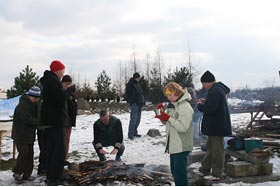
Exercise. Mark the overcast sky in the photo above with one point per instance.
(238, 40)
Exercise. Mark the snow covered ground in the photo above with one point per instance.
(146, 149)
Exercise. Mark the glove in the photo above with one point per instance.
(163, 116)
(159, 106)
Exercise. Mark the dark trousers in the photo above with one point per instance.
(24, 164)
(41, 134)
(102, 157)
(215, 156)
(55, 152)
(179, 164)
(135, 117)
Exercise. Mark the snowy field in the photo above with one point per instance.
(146, 149)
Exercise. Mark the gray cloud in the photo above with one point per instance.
(235, 42)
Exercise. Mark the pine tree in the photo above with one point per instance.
(182, 76)
(26, 79)
(104, 88)
(156, 94)
(103, 83)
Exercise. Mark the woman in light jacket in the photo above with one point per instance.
(178, 117)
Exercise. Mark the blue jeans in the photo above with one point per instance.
(135, 117)
(179, 164)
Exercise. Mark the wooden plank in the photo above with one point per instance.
(277, 136)
(258, 157)
(249, 179)
(197, 179)
(271, 143)
(243, 169)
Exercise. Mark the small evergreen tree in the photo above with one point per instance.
(156, 94)
(145, 87)
(103, 85)
(182, 76)
(26, 79)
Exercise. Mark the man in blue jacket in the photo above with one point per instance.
(215, 124)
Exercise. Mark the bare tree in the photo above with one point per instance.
(158, 64)
(134, 61)
(120, 80)
(148, 63)
(193, 70)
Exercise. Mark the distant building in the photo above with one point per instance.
(3, 94)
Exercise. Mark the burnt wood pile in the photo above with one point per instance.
(116, 173)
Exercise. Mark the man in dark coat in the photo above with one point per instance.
(136, 100)
(25, 122)
(72, 108)
(54, 119)
(107, 131)
(215, 124)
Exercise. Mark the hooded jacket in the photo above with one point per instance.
(216, 118)
(25, 121)
(179, 128)
(54, 106)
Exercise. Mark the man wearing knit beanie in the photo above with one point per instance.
(54, 120)
(58, 68)
(56, 65)
(136, 99)
(25, 121)
(215, 124)
(207, 77)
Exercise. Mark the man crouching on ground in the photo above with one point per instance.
(107, 131)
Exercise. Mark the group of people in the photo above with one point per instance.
(55, 116)
(178, 119)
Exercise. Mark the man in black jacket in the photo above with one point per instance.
(107, 131)
(72, 108)
(215, 124)
(54, 119)
(136, 100)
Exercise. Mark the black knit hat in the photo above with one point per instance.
(66, 78)
(207, 77)
(136, 75)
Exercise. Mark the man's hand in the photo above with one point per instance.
(101, 151)
(163, 116)
(201, 100)
(114, 151)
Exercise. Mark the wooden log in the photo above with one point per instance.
(157, 172)
(74, 166)
(277, 136)
(74, 173)
(242, 169)
(257, 157)
(271, 143)
(249, 179)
